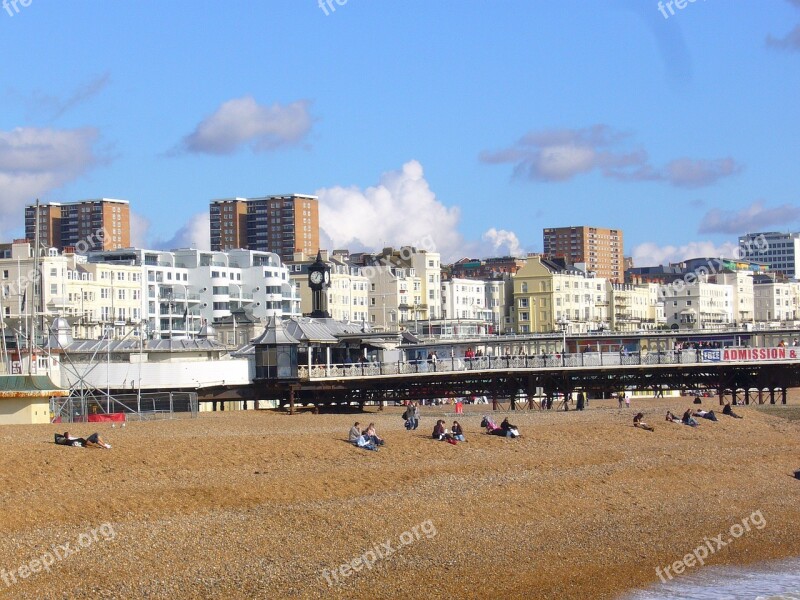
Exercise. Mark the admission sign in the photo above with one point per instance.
(758, 354)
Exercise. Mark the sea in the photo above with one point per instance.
(774, 580)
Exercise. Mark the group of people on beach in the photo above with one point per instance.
(689, 417)
(367, 439)
(505, 428)
(452, 436)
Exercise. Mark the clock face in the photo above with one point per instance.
(327, 277)
(316, 277)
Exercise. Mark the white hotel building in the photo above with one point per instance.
(182, 290)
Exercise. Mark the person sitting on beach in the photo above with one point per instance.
(366, 443)
(688, 419)
(355, 433)
(637, 422)
(440, 432)
(508, 429)
(697, 400)
(374, 437)
(727, 410)
(672, 418)
(491, 427)
(706, 414)
(458, 432)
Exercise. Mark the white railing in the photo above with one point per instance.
(542, 361)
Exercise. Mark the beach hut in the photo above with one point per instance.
(25, 399)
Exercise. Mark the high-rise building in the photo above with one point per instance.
(103, 224)
(780, 251)
(600, 250)
(282, 224)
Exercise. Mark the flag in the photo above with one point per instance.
(186, 312)
(24, 294)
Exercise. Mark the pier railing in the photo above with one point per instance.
(547, 361)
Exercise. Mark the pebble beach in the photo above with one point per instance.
(260, 504)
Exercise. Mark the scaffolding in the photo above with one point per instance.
(94, 405)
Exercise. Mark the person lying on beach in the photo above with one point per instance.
(672, 418)
(727, 410)
(440, 432)
(706, 414)
(637, 422)
(93, 441)
(491, 427)
(355, 433)
(458, 432)
(508, 429)
(374, 437)
(688, 419)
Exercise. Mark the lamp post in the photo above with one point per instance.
(185, 308)
(563, 323)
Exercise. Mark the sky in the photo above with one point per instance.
(464, 127)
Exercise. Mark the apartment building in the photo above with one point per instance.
(776, 301)
(552, 295)
(395, 297)
(698, 304)
(781, 251)
(96, 300)
(102, 224)
(499, 299)
(282, 224)
(634, 307)
(465, 299)
(742, 293)
(600, 250)
(182, 290)
(428, 266)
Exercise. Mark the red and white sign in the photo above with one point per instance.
(759, 354)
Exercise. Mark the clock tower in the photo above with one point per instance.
(319, 280)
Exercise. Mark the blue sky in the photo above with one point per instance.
(474, 124)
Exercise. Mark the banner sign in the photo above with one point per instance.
(757, 354)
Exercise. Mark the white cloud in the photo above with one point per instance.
(651, 254)
(755, 217)
(400, 210)
(553, 155)
(502, 243)
(140, 228)
(242, 121)
(194, 234)
(34, 162)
